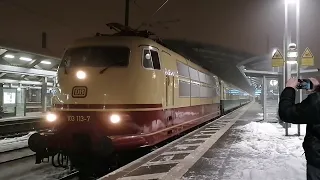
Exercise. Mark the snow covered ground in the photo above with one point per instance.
(14, 143)
(24, 169)
(267, 154)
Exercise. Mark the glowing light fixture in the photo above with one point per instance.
(45, 62)
(10, 56)
(25, 59)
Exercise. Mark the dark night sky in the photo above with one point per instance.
(243, 25)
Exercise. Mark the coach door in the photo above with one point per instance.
(169, 90)
(168, 65)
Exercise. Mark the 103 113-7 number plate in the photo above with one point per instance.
(79, 118)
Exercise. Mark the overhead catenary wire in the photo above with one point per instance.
(164, 3)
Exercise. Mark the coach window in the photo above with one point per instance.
(202, 77)
(203, 91)
(182, 69)
(155, 59)
(195, 90)
(209, 79)
(184, 89)
(193, 74)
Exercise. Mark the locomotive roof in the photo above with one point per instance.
(97, 40)
(100, 40)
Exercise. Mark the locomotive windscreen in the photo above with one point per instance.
(98, 56)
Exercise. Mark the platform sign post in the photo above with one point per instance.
(264, 81)
(44, 88)
(277, 59)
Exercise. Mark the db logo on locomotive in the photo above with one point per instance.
(79, 91)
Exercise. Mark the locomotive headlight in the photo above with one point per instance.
(51, 117)
(81, 74)
(115, 118)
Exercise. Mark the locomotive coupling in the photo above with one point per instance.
(83, 144)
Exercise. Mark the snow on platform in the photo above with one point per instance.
(273, 155)
(254, 151)
(174, 159)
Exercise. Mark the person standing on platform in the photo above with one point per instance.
(306, 112)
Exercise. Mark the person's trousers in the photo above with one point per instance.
(313, 173)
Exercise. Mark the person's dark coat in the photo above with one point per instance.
(306, 112)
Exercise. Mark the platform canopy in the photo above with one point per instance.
(18, 66)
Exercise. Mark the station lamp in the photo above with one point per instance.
(45, 62)
(10, 56)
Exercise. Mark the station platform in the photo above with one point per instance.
(34, 115)
(239, 145)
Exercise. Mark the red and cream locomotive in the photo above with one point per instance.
(125, 92)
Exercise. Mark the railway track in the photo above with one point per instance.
(71, 176)
(15, 155)
(12, 128)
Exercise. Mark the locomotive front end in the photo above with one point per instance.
(109, 99)
(93, 85)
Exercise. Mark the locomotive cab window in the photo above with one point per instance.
(151, 59)
(96, 56)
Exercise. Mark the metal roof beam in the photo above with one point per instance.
(244, 75)
(33, 63)
(217, 54)
(268, 73)
(11, 81)
(255, 80)
(26, 71)
(37, 67)
(252, 60)
(24, 77)
(306, 71)
(262, 72)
